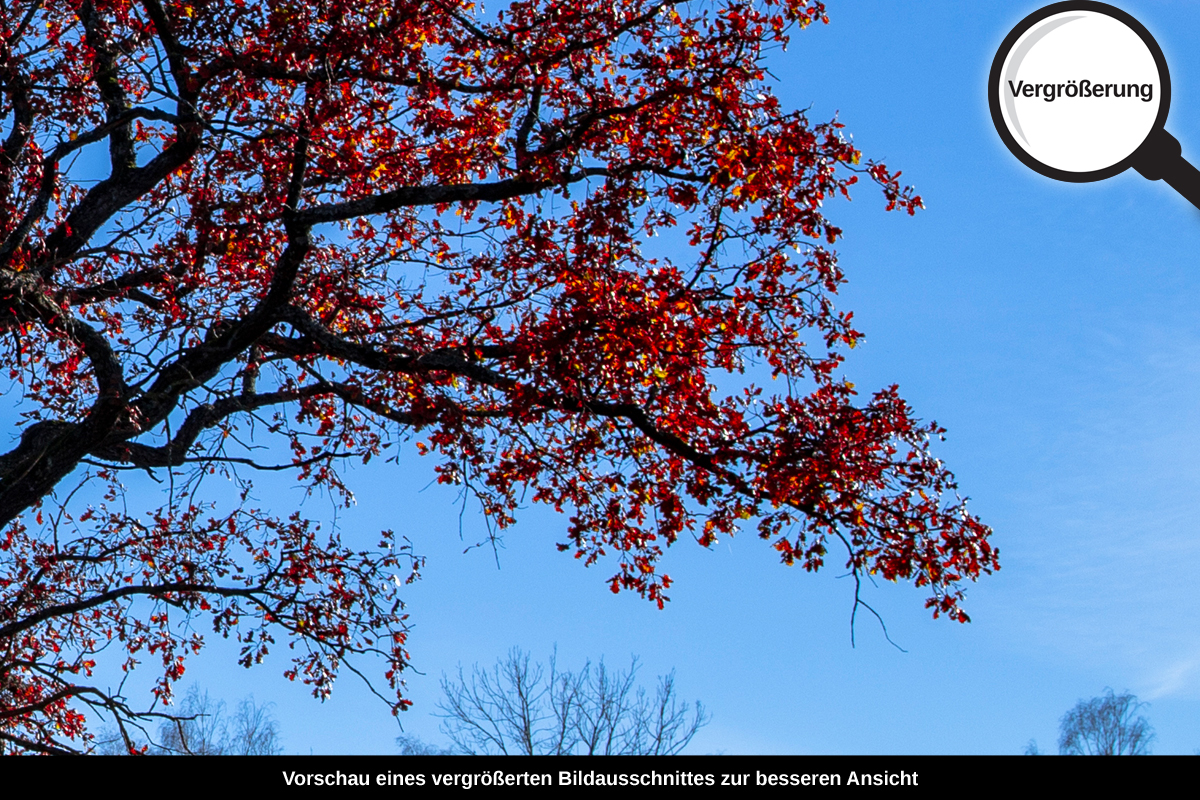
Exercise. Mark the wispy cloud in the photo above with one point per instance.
(1180, 678)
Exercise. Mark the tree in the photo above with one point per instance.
(200, 727)
(246, 236)
(1108, 725)
(410, 745)
(523, 709)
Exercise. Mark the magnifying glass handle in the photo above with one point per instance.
(1161, 158)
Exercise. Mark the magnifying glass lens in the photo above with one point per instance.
(1078, 93)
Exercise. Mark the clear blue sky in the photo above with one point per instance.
(1054, 329)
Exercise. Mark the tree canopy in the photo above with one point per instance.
(1108, 725)
(519, 708)
(559, 249)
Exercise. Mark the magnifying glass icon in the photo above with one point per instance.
(1079, 92)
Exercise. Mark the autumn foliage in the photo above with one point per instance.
(560, 248)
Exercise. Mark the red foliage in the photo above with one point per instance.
(338, 225)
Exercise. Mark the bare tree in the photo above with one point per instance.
(416, 746)
(524, 708)
(255, 731)
(200, 727)
(1108, 725)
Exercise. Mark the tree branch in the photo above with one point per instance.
(67, 609)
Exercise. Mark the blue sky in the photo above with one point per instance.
(1053, 328)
